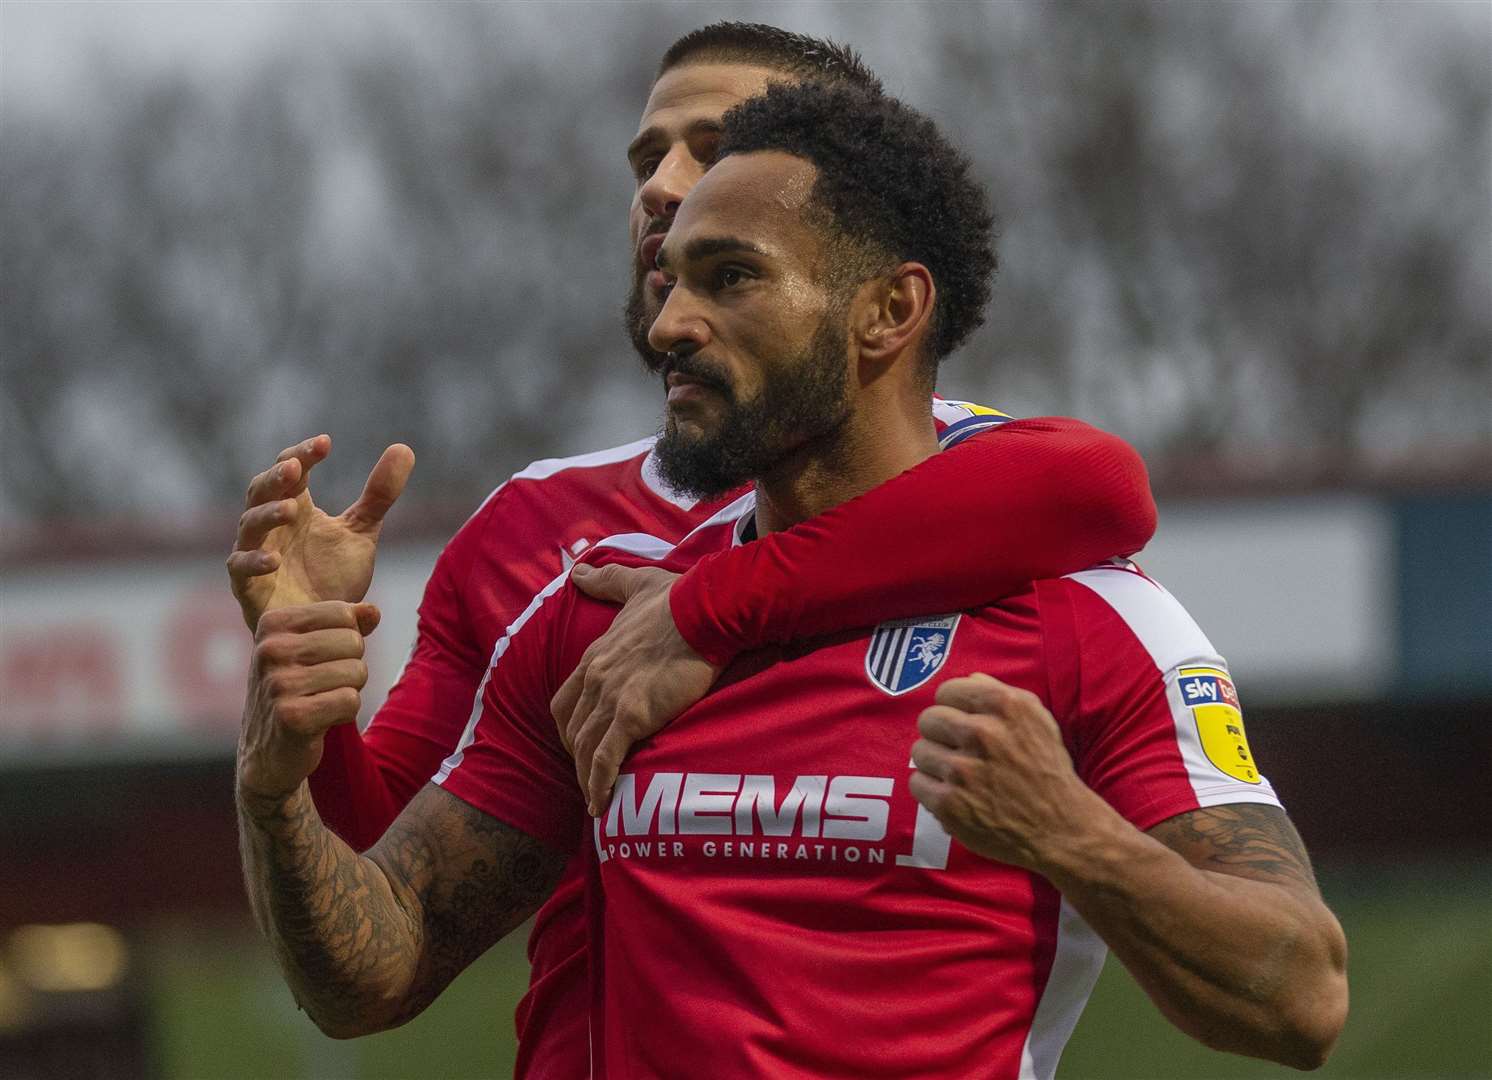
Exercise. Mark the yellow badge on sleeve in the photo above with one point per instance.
(1209, 694)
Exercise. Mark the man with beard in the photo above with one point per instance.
(772, 894)
(1034, 498)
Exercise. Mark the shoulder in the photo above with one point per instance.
(597, 470)
(1117, 601)
(539, 496)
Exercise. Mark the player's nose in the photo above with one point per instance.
(679, 327)
(675, 175)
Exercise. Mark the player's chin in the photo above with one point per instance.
(686, 426)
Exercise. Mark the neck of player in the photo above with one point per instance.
(885, 434)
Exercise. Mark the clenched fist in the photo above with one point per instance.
(306, 674)
(992, 768)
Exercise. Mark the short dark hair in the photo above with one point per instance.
(890, 188)
(771, 46)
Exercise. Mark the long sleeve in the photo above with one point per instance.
(1030, 499)
(365, 780)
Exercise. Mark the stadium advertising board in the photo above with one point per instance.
(149, 659)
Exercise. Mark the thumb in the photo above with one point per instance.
(368, 616)
(385, 483)
(614, 583)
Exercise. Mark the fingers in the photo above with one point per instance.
(935, 760)
(287, 478)
(325, 615)
(307, 452)
(278, 652)
(562, 706)
(385, 484)
(979, 693)
(611, 582)
(246, 564)
(310, 715)
(930, 792)
(587, 726)
(307, 680)
(368, 617)
(258, 521)
(606, 762)
(939, 723)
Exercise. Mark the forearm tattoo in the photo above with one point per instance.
(1250, 840)
(366, 942)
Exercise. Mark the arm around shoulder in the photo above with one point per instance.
(1029, 499)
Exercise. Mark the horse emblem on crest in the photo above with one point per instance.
(904, 653)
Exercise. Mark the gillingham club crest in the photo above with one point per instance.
(905, 653)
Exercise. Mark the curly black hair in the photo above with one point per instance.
(890, 189)
(771, 46)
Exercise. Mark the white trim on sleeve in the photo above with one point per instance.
(1181, 653)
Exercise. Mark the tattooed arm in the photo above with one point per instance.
(1222, 924)
(1215, 912)
(367, 941)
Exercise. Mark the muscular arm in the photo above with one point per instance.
(1031, 499)
(1214, 911)
(1216, 914)
(367, 941)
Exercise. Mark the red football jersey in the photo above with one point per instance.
(769, 900)
(1054, 494)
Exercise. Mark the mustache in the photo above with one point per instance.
(697, 368)
(653, 228)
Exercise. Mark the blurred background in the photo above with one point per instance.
(1255, 239)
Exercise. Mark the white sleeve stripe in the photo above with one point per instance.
(1163, 626)
(547, 467)
(1175, 642)
(649, 547)
(1076, 964)
(468, 735)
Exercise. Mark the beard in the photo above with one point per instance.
(639, 318)
(802, 401)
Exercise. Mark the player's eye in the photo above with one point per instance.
(645, 168)
(728, 277)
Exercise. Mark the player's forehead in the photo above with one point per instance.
(698, 92)
(759, 197)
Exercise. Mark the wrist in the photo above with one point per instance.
(1096, 846)
(688, 603)
(265, 808)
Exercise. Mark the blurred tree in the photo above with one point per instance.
(1252, 238)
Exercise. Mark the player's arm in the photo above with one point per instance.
(365, 779)
(1026, 500)
(1215, 911)
(290, 552)
(1030, 499)
(365, 941)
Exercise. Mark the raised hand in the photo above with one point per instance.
(289, 551)
(305, 677)
(631, 681)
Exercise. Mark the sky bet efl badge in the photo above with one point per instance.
(1209, 694)
(905, 653)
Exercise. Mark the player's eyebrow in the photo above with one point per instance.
(657, 134)
(706, 246)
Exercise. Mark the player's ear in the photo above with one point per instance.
(895, 313)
